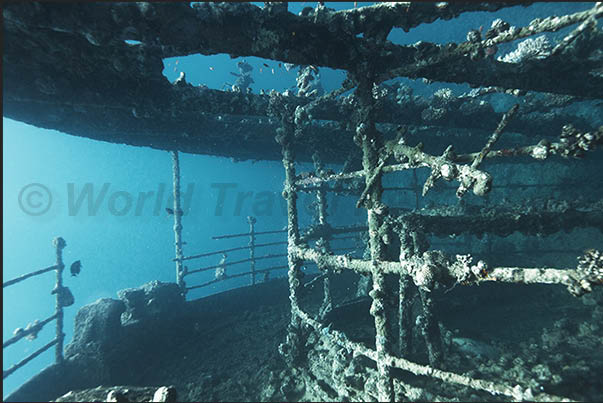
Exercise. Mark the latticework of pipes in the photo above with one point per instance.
(370, 122)
(414, 263)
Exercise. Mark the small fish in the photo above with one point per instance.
(272, 71)
(280, 65)
(171, 211)
(314, 69)
(260, 69)
(265, 65)
(75, 268)
(211, 68)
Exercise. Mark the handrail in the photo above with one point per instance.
(257, 245)
(28, 275)
(202, 269)
(27, 359)
(251, 220)
(59, 244)
(27, 332)
(236, 275)
(63, 299)
(235, 262)
(247, 234)
(340, 339)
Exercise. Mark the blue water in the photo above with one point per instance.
(122, 246)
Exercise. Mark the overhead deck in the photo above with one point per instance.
(66, 66)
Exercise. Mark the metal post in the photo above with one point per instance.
(323, 242)
(290, 194)
(431, 330)
(371, 141)
(285, 135)
(177, 221)
(405, 316)
(251, 220)
(59, 243)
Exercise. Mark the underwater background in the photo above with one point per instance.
(121, 246)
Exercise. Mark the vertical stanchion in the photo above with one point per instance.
(323, 242)
(431, 330)
(290, 194)
(177, 221)
(59, 244)
(371, 142)
(292, 349)
(284, 137)
(251, 220)
(405, 316)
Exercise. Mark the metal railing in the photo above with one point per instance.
(415, 263)
(221, 274)
(220, 268)
(63, 299)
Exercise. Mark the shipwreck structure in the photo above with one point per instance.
(113, 90)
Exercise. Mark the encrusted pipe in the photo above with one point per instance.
(59, 244)
(177, 221)
(251, 220)
(431, 330)
(449, 270)
(323, 242)
(327, 302)
(572, 144)
(28, 275)
(313, 180)
(413, 244)
(284, 136)
(448, 54)
(405, 316)
(494, 388)
(442, 167)
(495, 135)
(27, 359)
(369, 139)
(21, 333)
